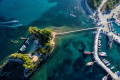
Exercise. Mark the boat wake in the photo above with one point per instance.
(12, 23)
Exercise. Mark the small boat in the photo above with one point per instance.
(89, 63)
(102, 54)
(108, 64)
(87, 52)
(7, 22)
(99, 45)
(103, 60)
(22, 48)
(94, 32)
(104, 78)
(22, 38)
(27, 41)
(14, 41)
(112, 67)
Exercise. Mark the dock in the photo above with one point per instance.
(97, 59)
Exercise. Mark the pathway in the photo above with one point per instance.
(75, 31)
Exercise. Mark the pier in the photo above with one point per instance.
(97, 59)
(75, 31)
(102, 23)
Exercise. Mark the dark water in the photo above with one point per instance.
(67, 61)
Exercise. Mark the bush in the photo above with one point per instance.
(33, 53)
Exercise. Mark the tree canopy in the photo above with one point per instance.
(27, 62)
(94, 3)
(44, 35)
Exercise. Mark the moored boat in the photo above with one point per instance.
(102, 54)
(87, 52)
(89, 63)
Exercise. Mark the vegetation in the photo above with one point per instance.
(44, 37)
(27, 62)
(109, 5)
(33, 53)
(94, 3)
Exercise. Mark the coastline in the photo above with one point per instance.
(89, 9)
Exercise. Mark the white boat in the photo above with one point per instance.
(112, 67)
(103, 60)
(12, 21)
(108, 64)
(102, 54)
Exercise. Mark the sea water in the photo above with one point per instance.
(67, 61)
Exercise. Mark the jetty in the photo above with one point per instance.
(97, 59)
(104, 27)
(68, 32)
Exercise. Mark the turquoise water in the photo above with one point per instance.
(113, 53)
(116, 27)
(67, 61)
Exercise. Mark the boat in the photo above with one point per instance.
(112, 67)
(87, 52)
(104, 78)
(102, 54)
(7, 22)
(103, 60)
(14, 41)
(23, 48)
(108, 64)
(89, 63)
(22, 38)
(94, 32)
